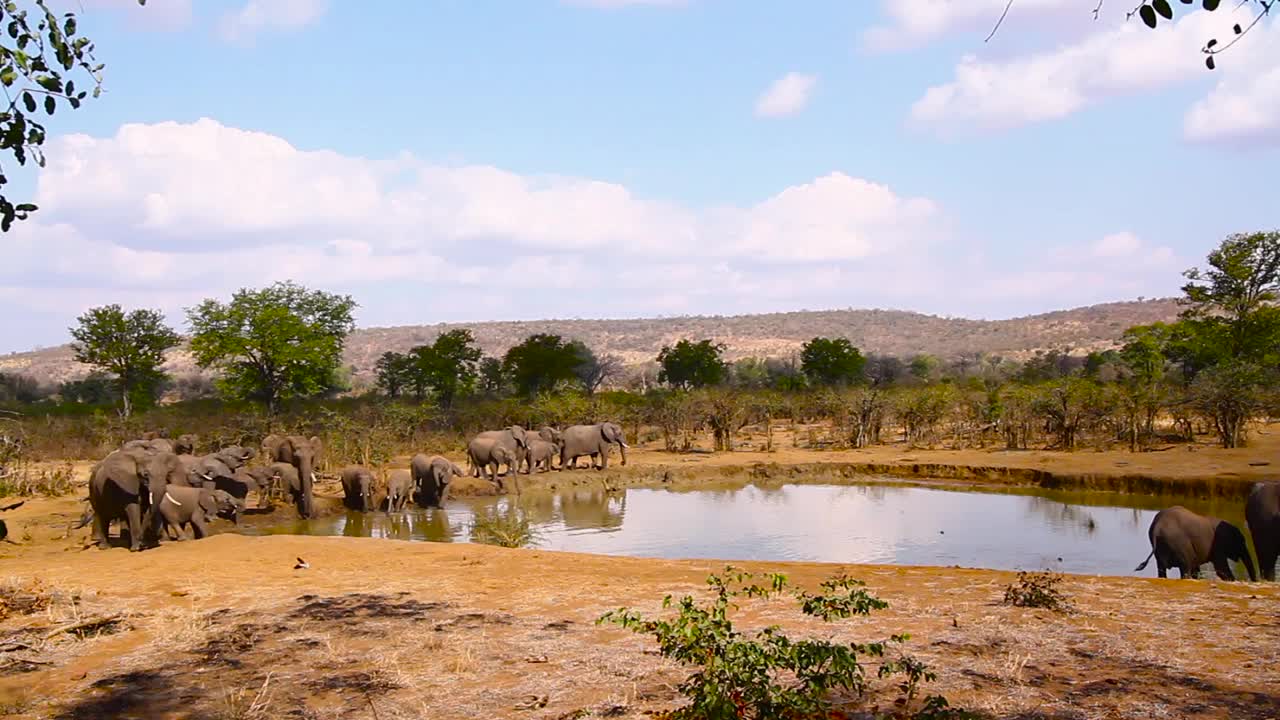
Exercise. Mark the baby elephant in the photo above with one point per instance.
(539, 455)
(399, 489)
(357, 486)
(1183, 539)
(196, 507)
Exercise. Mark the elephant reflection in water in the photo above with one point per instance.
(1060, 512)
(426, 525)
(539, 508)
(587, 509)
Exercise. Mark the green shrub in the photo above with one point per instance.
(1038, 590)
(772, 675)
(509, 529)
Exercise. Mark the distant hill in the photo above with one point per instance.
(892, 332)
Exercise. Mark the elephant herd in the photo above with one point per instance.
(156, 484)
(519, 450)
(1186, 540)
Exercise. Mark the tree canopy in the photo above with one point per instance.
(130, 346)
(275, 343)
(690, 365)
(832, 361)
(44, 64)
(542, 361)
(449, 367)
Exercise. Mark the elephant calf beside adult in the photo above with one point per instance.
(514, 440)
(126, 486)
(1186, 540)
(593, 440)
(197, 507)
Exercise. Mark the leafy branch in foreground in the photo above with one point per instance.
(36, 66)
(772, 675)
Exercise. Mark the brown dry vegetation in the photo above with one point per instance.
(890, 332)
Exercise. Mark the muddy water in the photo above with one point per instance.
(1092, 533)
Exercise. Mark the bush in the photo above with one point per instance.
(510, 529)
(772, 675)
(1038, 590)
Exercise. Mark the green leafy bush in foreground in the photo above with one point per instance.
(772, 675)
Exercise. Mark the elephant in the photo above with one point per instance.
(594, 440)
(515, 439)
(399, 489)
(486, 454)
(149, 445)
(431, 476)
(546, 434)
(186, 444)
(1186, 540)
(220, 466)
(541, 453)
(119, 489)
(302, 453)
(357, 486)
(1262, 513)
(279, 476)
(196, 507)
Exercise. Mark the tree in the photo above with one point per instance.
(272, 344)
(827, 361)
(449, 366)
(94, 389)
(1229, 395)
(130, 346)
(542, 361)
(393, 370)
(593, 371)
(44, 59)
(1235, 296)
(924, 367)
(692, 365)
(491, 377)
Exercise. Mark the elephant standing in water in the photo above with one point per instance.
(431, 476)
(1262, 513)
(302, 453)
(357, 488)
(594, 440)
(279, 477)
(1183, 539)
(399, 489)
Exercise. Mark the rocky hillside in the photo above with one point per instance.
(892, 332)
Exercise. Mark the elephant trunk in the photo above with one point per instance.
(622, 448)
(1248, 566)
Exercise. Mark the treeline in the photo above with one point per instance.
(278, 349)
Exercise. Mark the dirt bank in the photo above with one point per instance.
(227, 628)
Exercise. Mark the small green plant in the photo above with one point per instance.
(509, 529)
(1038, 590)
(772, 675)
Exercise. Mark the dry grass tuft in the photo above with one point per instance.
(240, 704)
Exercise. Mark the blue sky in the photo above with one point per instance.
(487, 159)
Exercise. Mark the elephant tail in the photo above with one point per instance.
(1143, 566)
(84, 519)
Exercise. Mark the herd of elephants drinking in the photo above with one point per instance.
(156, 486)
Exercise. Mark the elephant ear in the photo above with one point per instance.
(606, 432)
(522, 438)
(317, 447)
(209, 503)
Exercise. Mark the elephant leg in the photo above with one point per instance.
(1222, 567)
(604, 458)
(198, 529)
(1267, 560)
(134, 514)
(101, 529)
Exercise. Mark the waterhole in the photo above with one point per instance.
(878, 522)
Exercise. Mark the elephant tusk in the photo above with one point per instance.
(171, 499)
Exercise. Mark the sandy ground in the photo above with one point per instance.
(227, 628)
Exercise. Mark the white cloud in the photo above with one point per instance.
(261, 15)
(1245, 104)
(912, 23)
(1129, 58)
(788, 95)
(162, 215)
